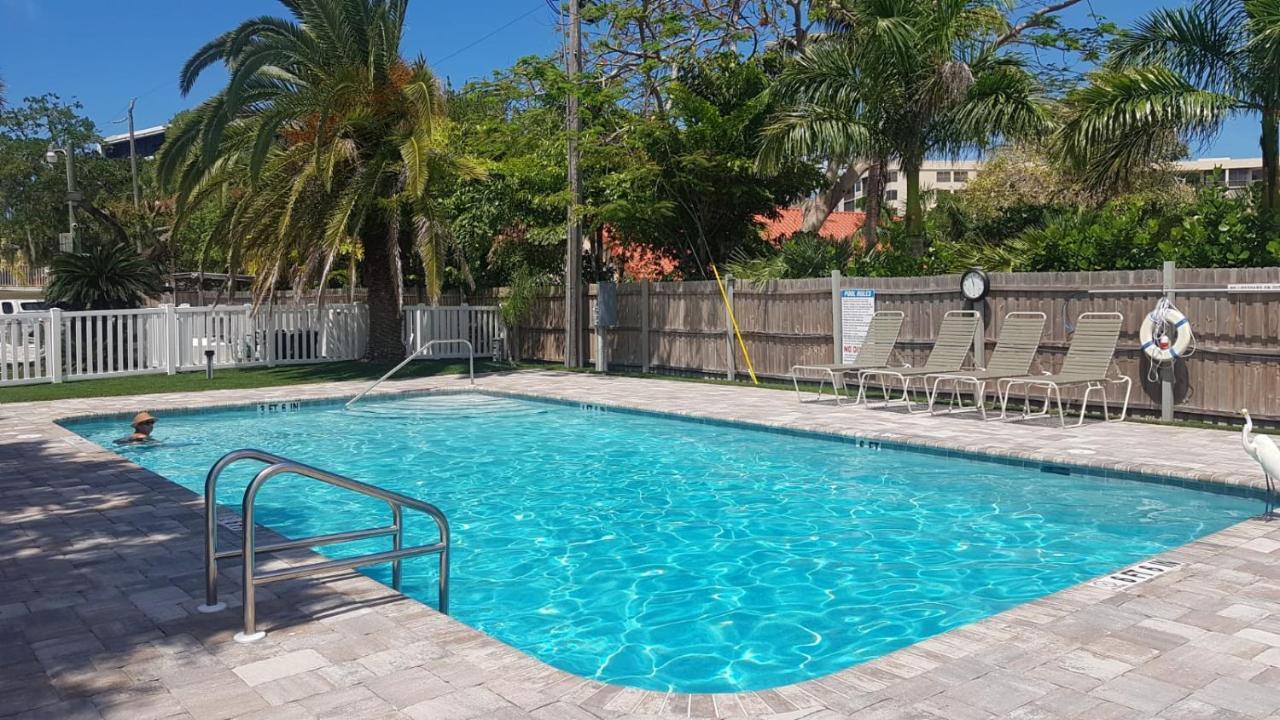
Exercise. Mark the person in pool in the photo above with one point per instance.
(143, 423)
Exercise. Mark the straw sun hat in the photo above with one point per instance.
(142, 417)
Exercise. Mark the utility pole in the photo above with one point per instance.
(133, 156)
(573, 245)
(73, 195)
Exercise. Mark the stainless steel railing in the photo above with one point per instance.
(277, 465)
(471, 365)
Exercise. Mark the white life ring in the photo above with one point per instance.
(1160, 348)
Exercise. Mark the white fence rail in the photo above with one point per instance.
(478, 324)
(106, 343)
(62, 346)
(24, 350)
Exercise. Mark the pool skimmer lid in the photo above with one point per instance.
(1136, 574)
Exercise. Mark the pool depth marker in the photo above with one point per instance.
(1135, 574)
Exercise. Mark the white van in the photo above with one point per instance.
(22, 305)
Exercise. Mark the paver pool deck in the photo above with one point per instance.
(101, 571)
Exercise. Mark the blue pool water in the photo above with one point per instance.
(668, 554)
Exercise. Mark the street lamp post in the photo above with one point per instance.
(73, 195)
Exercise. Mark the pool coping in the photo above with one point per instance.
(849, 690)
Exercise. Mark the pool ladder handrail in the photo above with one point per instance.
(471, 365)
(277, 465)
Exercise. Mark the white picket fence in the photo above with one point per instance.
(479, 324)
(62, 346)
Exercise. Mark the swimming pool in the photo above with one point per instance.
(664, 553)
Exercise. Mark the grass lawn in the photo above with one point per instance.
(237, 379)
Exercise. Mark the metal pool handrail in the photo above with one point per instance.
(277, 465)
(471, 365)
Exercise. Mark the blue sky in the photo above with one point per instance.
(102, 52)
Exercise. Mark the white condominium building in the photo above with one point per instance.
(936, 177)
(1231, 172)
(945, 176)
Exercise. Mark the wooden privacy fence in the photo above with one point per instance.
(683, 327)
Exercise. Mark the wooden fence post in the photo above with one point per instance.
(53, 353)
(836, 319)
(732, 356)
(644, 326)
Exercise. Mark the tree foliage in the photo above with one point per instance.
(33, 209)
(324, 142)
(104, 276)
(1176, 76)
(903, 80)
(691, 188)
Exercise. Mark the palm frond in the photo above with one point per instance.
(1125, 120)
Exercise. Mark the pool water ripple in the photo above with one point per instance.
(665, 554)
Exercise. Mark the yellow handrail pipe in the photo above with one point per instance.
(724, 297)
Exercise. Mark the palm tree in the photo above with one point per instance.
(324, 141)
(105, 276)
(901, 79)
(1177, 76)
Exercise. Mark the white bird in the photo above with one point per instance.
(1262, 449)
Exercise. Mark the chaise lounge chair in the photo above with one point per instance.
(1015, 350)
(877, 349)
(1089, 362)
(954, 343)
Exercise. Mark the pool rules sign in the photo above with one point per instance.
(856, 308)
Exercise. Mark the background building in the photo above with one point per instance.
(946, 176)
(936, 177)
(147, 142)
(1231, 172)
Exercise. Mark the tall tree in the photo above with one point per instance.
(324, 141)
(898, 79)
(690, 188)
(33, 199)
(1178, 75)
(648, 44)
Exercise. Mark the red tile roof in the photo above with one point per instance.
(638, 262)
(839, 225)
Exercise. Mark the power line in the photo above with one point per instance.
(486, 36)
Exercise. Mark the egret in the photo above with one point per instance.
(1261, 448)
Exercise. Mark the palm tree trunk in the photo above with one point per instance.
(915, 207)
(380, 277)
(818, 208)
(1270, 162)
(873, 192)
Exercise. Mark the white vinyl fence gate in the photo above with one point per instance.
(57, 346)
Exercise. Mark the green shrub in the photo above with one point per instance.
(801, 255)
(105, 276)
(1209, 228)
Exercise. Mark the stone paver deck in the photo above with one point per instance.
(100, 572)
